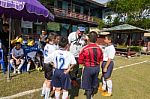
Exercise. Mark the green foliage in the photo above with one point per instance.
(99, 21)
(116, 21)
(135, 48)
(133, 9)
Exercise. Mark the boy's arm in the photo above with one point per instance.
(70, 67)
(107, 64)
(72, 64)
(13, 55)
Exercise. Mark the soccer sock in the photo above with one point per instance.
(65, 95)
(28, 67)
(21, 64)
(47, 92)
(44, 89)
(109, 85)
(104, 83)
(13, 67)
(57, 95)
(88, 94)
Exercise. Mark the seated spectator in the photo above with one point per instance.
(17, 57)
(34, 56)
(39, 58)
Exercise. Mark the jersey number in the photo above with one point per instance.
(46, 53)
(60, 62)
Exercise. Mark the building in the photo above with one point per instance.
(71, 13)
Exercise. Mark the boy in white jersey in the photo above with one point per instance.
(107, 67)
(48, 68)
(63, 61)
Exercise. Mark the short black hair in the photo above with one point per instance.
(18, 43)
(63, 42)
(92, 36)
(5, 24)
(51, 37)
(109, 37)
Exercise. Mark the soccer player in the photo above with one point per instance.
(63, 61)
(48, 68)
(107, 67)
(90, 57)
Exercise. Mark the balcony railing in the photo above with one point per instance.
(69, 14)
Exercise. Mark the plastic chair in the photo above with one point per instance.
(2, 61)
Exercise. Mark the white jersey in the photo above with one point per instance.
(109, 53)
(48, 49)
(75, 43)
(62, 59)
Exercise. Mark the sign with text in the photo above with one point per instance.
(26, 24)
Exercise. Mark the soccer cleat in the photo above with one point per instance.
(19, 72)
(101, 89)
(106, 94)
(42, 95)
(40, 68)
(29, 72)
(14, 72)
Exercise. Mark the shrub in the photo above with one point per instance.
(135, 48)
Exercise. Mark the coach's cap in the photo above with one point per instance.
(82, 29)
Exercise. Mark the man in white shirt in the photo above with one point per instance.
(76, 42)
(63, 62)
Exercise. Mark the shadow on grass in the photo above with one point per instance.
(74, 92)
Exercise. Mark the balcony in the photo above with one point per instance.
(73, 15)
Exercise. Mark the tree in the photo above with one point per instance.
(132, 10)
(99, 21)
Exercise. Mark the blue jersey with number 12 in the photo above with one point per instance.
(62, 59)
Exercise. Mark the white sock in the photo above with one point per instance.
(57, 95)
(109, 86)
(43, 89)
(65, 95)
(104, 84)
(20, 66)
(47, 92)
(28, 67)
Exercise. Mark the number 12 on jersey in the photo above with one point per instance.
(60, 61)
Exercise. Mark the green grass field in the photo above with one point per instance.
(128, 83)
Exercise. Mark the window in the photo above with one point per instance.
(59, 4)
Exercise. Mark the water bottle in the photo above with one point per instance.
(0, 44)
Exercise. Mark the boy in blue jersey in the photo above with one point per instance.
(63, 62)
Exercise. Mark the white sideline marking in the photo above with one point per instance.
(21, 94)
(120, 67)
(35, 90)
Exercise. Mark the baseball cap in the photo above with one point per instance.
(82, 29)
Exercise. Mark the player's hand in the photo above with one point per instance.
(67, 71)
(105, 70)
(17, 61)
